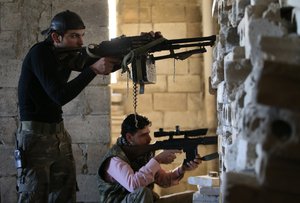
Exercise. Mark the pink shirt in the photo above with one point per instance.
(120, 171)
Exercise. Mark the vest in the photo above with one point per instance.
(115, 192)
(111, 192)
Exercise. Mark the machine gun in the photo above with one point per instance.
(137, 51)
(187, 144)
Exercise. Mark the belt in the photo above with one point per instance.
(40, 127)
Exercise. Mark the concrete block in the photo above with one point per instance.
(255, 28)
(88, 129)
(279, 78)
(8, 102)
(204, 181)
(281, 49)
(240, 187)
(170, 101)
(279, 173)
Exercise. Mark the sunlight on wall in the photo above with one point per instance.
(112, 27)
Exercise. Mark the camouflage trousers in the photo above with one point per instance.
(48, 172)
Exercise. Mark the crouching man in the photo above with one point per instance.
(121, 180)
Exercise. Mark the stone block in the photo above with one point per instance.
(88, 188)
(190, 83)
(246, 155)
(170, 101)
(159, 86)
(7, 160)
(168, 13)
(7, 49)
(93, 100)
(244, 188)
(8, 128)
(196, 65)
(199, 198)
(185, 119)
(133, 29)
(279, 85)
(88, 129)
(10, 72)
(8, 102)
(195, 102)
(279, 173)
(217, 75)
(10, 12)
(167, 29)
(8, 192)
(94, 153)
(255, 28)
(209, 190)
(281, 49)
(235, 73)
(171, 67)
(144, 102)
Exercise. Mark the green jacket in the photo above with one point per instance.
(111, 192)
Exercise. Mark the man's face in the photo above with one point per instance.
(72, 39)
(141, 137)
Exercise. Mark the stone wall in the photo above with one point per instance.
(256, 74)
(20, 26)
(180, 95)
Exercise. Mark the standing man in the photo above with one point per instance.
(48, 170)
(123, 181)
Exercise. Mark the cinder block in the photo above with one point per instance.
(279, 78)
(171, 67)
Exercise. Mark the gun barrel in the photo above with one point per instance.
(197, 132)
